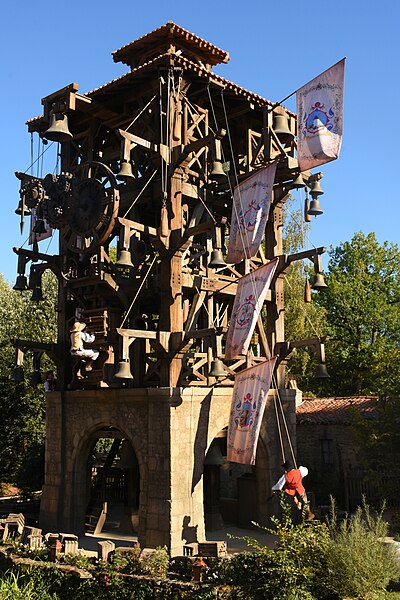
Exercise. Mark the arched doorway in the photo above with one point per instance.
(113, 484)
(234, 493)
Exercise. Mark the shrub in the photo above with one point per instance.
(358, 563)
(156, 564)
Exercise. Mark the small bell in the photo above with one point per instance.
(217, 173)
(37, 294)
(281, 128)
(217, 259)
(35, 378)
(17, 374)
(21, 283)
(315, 208)
(217, 368)
(124, 260)
(58, 130)
(321, 372)
(316, 189)
(19, 209)
(39, 227)
(298, 182)
(123, 370)
(125, 171)
(319, 282)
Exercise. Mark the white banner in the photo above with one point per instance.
(248, 404)
(250, 296)
(250, 208)
(320, 118)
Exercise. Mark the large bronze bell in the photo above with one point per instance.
(58, 130)
(321, 372)
(315, 208)
(124, 260)
(123, 370)
(281, 128)
(217, 173)
(319, 282)
(217, 259)
(125, 172)
(21, 283)
(39, 227)
(217, 368)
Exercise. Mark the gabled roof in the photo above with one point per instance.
(145, 69)
(335, 411)
(169, 37)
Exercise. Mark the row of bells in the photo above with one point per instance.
(124, 372)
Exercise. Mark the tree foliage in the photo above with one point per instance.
(363, 317)
(22, 426)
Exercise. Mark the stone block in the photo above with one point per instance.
(35, 541)
(216, 549)
(104, 549)
(70, 546)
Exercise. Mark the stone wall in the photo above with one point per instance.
(170, 430)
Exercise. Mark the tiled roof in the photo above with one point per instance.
(169, 30)
(335, 411)
(190, 65)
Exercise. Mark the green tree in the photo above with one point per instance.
(22, 426)
(302, 320)
(362, 304)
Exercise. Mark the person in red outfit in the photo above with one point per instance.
(292, 483)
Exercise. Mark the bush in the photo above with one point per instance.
(358, 563)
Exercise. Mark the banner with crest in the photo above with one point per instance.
(248, 404)
(320, 118)
(250, 208)
(250, 296)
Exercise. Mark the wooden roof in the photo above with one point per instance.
(170, 37)
(335, 411)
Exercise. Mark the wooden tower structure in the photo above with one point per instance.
(142, 203)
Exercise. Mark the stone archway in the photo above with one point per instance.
(106, 483)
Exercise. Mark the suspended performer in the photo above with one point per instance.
(291, 483)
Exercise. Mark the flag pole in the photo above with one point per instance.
(293, 93)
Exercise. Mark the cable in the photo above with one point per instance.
(138, 292)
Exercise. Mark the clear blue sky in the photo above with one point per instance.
(275, 47)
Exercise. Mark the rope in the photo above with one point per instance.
(279, 430)
(141, 112)
(138, 292)
(140, 193)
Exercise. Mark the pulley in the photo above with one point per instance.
(217, 368)
(281, 128)
(123, 370)
(125, 171)
(58, 130)
(217, 259)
